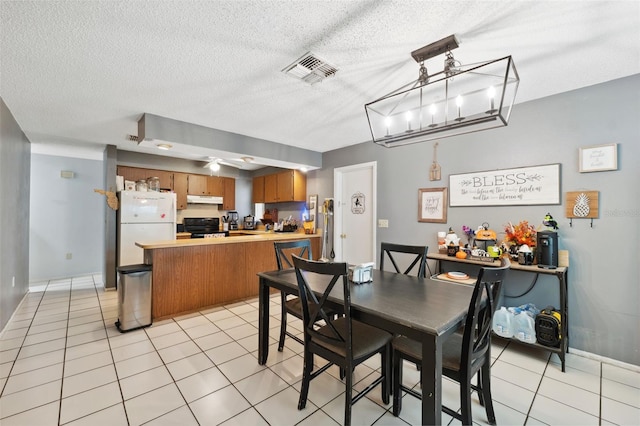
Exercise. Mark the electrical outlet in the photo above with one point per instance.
(383, 223)
(69, 256)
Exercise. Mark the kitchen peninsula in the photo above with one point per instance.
(190, 274)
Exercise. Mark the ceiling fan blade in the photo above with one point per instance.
(230, 164)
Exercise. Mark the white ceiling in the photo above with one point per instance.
(80, 74)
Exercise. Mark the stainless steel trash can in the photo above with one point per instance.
(134, 297)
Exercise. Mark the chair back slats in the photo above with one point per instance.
(315, 309)
(420, 259)
(284, 251)
(477, 329)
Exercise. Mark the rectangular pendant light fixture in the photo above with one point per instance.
(460, 99)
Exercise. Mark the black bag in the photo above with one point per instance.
(548, 327)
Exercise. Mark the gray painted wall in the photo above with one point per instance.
(67, 216)
(15, 150)
(604, 260)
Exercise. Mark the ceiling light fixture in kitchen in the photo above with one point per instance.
(164, 146)
(460, 99)
(213, 164)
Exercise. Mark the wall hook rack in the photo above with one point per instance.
(571, 222)
(582, 205)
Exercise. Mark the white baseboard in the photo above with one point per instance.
(12, 315)
(605, 360)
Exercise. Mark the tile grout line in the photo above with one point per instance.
(600, 399)
(64, 354)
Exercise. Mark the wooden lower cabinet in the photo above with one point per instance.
(189, 278)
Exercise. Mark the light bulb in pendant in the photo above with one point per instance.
(408, 116)
(387, 123)
(459, 105)
(432, 111)
(491, 92)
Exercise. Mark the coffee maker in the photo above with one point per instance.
(249, 222)
(547, 249)
(233, 221)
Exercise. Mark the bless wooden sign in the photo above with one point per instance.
(535, 185)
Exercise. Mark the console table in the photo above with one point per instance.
(560, 273)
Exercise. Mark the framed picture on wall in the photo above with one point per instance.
(598, 158)
(432, 205)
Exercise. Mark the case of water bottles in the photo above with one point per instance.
(516, 322)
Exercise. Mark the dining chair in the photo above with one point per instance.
(420, 259)
(342, 341)
(464, 353)
(290, 305)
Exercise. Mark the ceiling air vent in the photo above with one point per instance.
(310, 68)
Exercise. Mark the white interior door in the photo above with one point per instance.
(355, 213)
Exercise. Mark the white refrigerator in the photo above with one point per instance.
(144, 217)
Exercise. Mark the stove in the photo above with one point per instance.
(201, 227)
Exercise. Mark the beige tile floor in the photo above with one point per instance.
(62, 361)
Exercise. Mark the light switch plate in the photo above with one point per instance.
(383, 223)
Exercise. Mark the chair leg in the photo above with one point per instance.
(479, 386)
(306, 378)
(348, 396)
(485, 376)
(397, 380)
(386, 370)
(283, 321)
(465, 402)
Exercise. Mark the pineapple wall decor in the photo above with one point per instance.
(582, 205)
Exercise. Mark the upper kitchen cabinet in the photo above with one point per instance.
(197, 185)
(258, 190)
(166, 178)
(136, 173)
(215, 186)
(229, 193)
(271, 188)
(206, 185)
(180, 187)
(290, 185)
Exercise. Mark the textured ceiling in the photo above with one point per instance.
(83, 72)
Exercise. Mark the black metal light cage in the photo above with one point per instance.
(465, 99)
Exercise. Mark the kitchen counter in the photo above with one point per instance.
(192, 274)
(240, 236)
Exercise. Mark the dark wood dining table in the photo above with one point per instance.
(423, 309)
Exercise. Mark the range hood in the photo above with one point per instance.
(203, 199)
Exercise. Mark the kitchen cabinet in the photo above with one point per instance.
(186, 183)
(205, 185)
(215, 186)
(166, 178)
(257, 195)
(136, 173)
(229, 193)
(180, 185)
(290, 185)
(197, 185)
(271, 188)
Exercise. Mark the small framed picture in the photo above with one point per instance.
(598, 158)
(432, 205)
